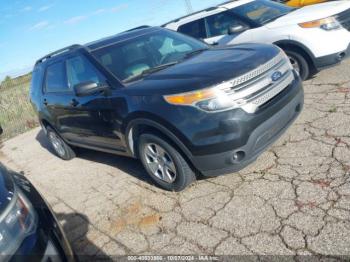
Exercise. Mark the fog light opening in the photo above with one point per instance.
(238, 156)
(341, 56)
(298, 108)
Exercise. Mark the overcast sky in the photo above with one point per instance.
(30, 29)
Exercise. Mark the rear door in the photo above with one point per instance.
(57, 98)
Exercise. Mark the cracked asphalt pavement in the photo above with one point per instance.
(294, 200)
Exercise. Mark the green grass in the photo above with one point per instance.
(16, 112)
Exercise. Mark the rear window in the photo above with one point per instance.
(195, 29)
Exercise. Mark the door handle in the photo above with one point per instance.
(45, 102)
(74, 102)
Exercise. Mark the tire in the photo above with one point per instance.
(182, 176)
(61, 148)
(298, 61)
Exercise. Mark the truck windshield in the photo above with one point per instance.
(145, 54)
(262, 11)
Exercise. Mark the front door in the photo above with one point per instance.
(92, 116)
(218, 28)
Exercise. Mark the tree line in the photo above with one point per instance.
(9, 81)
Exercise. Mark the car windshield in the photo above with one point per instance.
(262, 11)
(145, 54)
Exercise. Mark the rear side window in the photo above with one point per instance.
(195, 29)
(55, 79)
(80, 70)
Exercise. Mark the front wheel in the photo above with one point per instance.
(299, 64)
(164, 163)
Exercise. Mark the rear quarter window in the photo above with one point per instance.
(36, 82)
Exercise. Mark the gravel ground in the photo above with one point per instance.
(295, 199)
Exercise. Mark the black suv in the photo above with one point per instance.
(182, 107)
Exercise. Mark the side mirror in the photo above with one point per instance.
(89, 88)
(237, 29)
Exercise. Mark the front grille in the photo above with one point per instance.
(257, 87)
(252, 74)
(344, 19)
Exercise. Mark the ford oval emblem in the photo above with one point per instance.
(276, 76)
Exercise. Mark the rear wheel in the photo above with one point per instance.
(164, 163)
(61, 148)
(299, 64)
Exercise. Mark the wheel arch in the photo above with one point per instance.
(298, 47)
(45, 123)
(138, 126)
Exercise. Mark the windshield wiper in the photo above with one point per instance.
(149, 71)
(194, 52)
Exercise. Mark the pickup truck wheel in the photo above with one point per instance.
(164, 163)
(299, 63)
(61, 148)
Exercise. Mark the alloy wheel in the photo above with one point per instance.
(160, 163)
(294, 63)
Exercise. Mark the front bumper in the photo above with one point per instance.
(332, 59)
(291, 101)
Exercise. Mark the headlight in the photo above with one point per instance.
(329, 23)
(210, 99)
(16, 223)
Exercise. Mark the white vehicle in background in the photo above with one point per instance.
(314, 37)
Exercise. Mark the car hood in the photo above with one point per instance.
(207, 68)
(310, 13)
(6, 188)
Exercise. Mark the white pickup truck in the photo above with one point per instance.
(314, 37)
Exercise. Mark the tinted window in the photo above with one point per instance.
(130, 59)
(55, 80)
(195, 29)
(36, 81)
(219, 24)
(80, 70)
(262, 11)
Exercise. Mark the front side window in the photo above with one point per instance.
(80, 70)
(55, 79)
(262, 11)
(219, 24)
(131, 59)
(195, 29)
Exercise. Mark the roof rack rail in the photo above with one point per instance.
(139, 27)
(197, 12)
(57, 52)
(227, 2)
